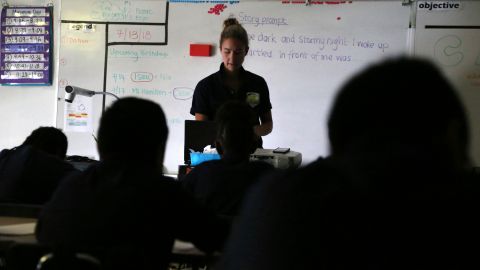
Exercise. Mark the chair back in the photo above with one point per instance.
(41, 257)
(19, 210)
(68, 260)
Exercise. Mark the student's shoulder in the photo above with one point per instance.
(301, 177)
(52, 162)
(38, 160)
(5, 153)
(162, 182)
(208, 167)
(259, 167)
(22, 150)
(211, 163)
(322, 168)
(260, 164)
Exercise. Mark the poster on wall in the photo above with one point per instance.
(78, 115)
(26, 45)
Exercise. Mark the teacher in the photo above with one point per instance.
(233, 82)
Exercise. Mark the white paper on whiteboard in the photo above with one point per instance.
(78, 115)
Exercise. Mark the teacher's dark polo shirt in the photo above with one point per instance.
(211, 93)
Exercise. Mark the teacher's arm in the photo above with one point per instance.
(266, 124)
(201, 117)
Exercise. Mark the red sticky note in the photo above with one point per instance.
(200, 49)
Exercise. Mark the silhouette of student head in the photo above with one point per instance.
(133, 130)
(48, 139)
(235, 135)
(404, 102)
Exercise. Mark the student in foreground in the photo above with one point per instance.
(30, 173)
(390, 196)
(124, 208)
(222, 184)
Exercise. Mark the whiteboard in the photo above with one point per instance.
(451, 38)
(303, 52)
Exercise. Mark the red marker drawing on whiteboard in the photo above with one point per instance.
(316, 2)
(217, 9)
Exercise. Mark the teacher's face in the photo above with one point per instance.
(233, 53)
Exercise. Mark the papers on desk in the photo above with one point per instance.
(18, 229)
(180, 246)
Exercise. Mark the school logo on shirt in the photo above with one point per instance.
(253, 99)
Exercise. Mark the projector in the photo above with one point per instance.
(287, 160)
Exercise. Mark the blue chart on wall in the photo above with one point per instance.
(26, 44)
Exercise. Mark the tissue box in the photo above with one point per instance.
(197, 158)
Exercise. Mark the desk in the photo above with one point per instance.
(289, 160)
(4, 221)
(182, 252)
(7, 240)
(187, 253)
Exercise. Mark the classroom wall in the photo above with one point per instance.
(23, 109)
(302, 75)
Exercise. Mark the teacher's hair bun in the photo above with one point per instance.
(230, 21)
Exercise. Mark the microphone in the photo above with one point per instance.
(72, 91)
